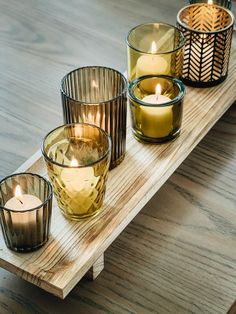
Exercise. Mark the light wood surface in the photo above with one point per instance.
(75, 246)
(184, 262)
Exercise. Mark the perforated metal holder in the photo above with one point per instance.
(208, 33)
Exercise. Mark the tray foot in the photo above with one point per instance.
(96, 269)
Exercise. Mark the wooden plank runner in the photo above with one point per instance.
(75, 246)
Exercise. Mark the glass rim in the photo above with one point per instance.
(179, 21)
(174, 101)
(181, 44)
(106, 135)
(93, 67)
(228, 2)
(49, 197)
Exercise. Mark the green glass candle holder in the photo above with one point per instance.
(154, 48)
(25, 210)
(78, 158)
(156, 103)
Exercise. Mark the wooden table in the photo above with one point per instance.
(178, 255)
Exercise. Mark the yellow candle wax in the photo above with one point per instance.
(80, 187)
(152, 64)
(157, 121)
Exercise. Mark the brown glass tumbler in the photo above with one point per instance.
(97, 95)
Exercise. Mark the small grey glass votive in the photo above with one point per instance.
(25, 210)
(97, 95)
(223, 3)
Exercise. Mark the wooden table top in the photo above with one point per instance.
(178, 255)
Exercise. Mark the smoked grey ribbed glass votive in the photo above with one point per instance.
(25, 210)
(97, 95)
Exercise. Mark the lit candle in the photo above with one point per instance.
(152, 64)
(156, 122)
(80, 186)
(21, 203)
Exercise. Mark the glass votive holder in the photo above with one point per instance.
(156, 103)
(25, 209)
(154, 48)
(77, 158)
(208, 32)
(224, 3)
(98, 95)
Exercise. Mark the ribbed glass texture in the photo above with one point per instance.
(97, 95)
(77, 158)
(26, 230)
(224, 3)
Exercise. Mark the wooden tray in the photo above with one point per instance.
(75, 247)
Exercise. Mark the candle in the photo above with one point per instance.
(157, 121)
(21, 203)
(152, 64)
(80, 187)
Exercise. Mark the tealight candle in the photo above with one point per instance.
(152, 64)
(157, 121)
(80, 184)
(154, 49)
(22, 203)
(156, 117)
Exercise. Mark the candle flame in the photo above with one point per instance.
(154, 47)
(210, 1)
(158, 89)
(18, 192)
(74, 163)
(94, 84)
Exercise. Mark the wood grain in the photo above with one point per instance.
(74, 247)
(40, 42)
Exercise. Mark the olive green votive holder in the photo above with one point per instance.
(156, 104)
(25, 210)
(154, 49)
(78, 158)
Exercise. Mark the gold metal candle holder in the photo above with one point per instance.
(156, 115)
(208, 32)
(154, 48)
(77, 158)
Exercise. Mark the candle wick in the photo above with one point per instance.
(20, 201)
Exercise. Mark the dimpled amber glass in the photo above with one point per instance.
(77, 158)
